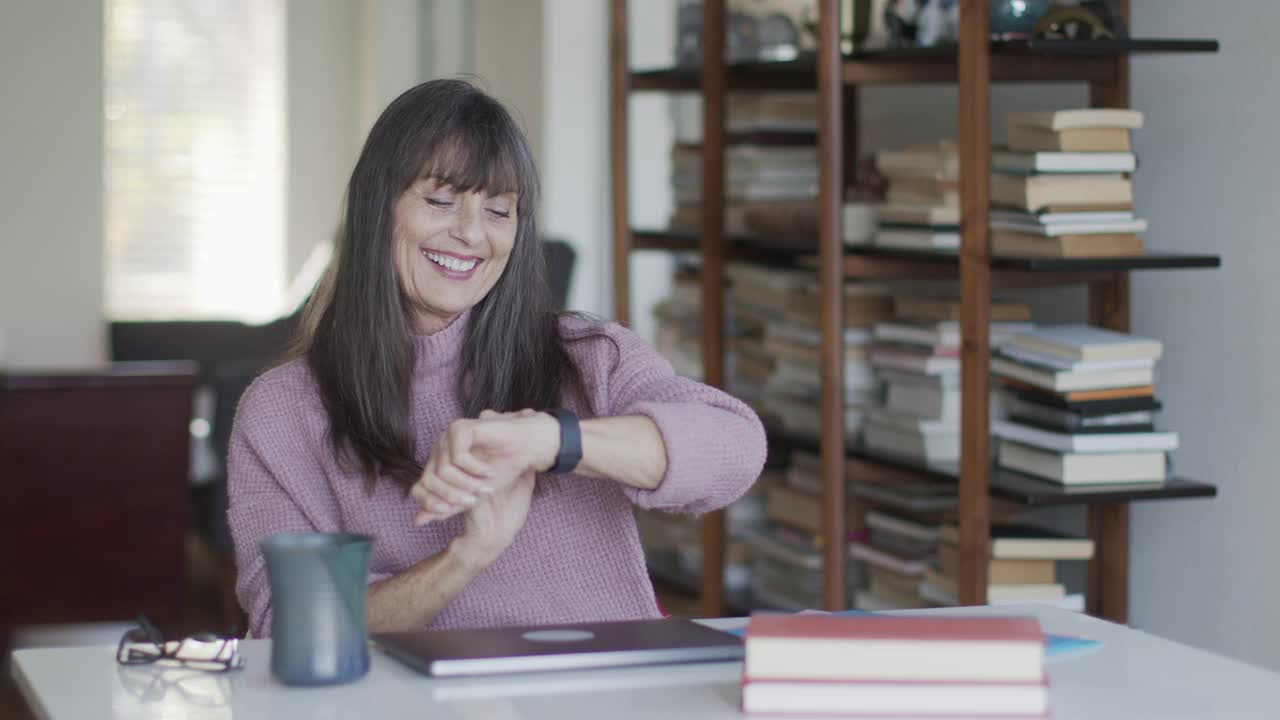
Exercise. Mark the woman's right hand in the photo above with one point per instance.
(492, 524)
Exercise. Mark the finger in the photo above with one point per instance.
(459, 488)
(489, 414)
(458, 446)
(527, 412)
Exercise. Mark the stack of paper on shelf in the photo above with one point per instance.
(673, 543)
(786, 553)
(1063, 188)
(922, 204)
(1022, 567)
(918, 359)
(1083, 406)
(792, 395)
(679, 323)
(771, 161)
(870, 665)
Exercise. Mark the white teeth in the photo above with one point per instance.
(450, 263)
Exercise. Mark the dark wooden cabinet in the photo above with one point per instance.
(94, 510)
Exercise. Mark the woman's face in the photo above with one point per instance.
(450, 249)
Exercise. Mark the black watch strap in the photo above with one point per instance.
(570, 442)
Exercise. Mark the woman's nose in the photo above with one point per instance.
(466, 225)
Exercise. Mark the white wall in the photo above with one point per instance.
(1203, 571)
(324, 134)
(508, 55)
(51, 183)
(575, 142)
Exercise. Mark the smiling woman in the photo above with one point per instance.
(435, 396)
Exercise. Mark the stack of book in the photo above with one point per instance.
(672, 542)
(1022, 567)
(1083, 407)
(1063, 187)
(786, 554)
(678, 320)
(917, 356)
(771, 161)
(793, 393)
(816, 664)
(757, 298)
(922, 203)
(898, 551)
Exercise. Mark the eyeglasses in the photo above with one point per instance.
(145, 645)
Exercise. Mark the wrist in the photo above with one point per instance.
(471, 556)
(546, 442)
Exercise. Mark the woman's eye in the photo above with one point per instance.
(500, 213)
(440, 203)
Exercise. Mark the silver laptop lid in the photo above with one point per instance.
(496, 651)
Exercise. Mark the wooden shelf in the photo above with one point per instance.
(1018, 487)
(1035, 60)
(885, 263)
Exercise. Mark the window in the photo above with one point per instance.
(194, 159)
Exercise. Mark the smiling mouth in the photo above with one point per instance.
(451, 263)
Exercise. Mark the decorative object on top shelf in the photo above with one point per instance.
(756, 30)
(1013, 19)
(1093, 20)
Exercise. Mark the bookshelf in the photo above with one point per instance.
(974, 64)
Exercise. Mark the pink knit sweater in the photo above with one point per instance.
(578, 557)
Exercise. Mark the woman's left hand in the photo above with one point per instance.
(474, 458)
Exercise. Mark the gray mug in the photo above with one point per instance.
(319, 626)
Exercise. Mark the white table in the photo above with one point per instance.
(1133, 675)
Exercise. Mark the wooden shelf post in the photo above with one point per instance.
(619, 90)
(831, 288)
(713, 245)
(975, 299)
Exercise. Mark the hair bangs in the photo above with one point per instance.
(477, 157)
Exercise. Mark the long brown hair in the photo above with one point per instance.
(356, 334)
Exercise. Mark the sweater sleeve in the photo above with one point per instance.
(274, 485)
(715, 443)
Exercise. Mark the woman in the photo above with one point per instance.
(408, 413)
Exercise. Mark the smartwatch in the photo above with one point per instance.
(570, 442)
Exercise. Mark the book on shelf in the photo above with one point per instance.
(1070, 380)
(1084, 443)
(1003, 592)
(911, 424)
(877, 557)
(903, 537)
(1067, 219)
(1030, 225)
(923, 401)
(864, 304)
(919, 309)
(1006, 243)
(1082, 409)
(1050, 361)
(876, 647)
(938, 597)
(945, 217)
(1083, 468)
(1046, 417)
(929, 448)
(923, 361)
(1078, 118)
(932, 161)
(802, 510)
(1000, 572)
(906, 237)
(923, 192)
(776, 112)
(1085, 343)
(781, 331)
(1027, 138)
(1031, 162)
(1080, 397)
(1020, 541)
(1036, 192)
(943, 333)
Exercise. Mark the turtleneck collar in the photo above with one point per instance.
(443, 347)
